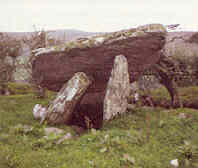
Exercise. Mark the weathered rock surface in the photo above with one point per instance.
(118, 88)
(95, 57)
(61, 109)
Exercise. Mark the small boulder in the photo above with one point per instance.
(39, 112)
(184, 116)
(53, 130)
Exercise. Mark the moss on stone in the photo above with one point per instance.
(110, 37)
(153, 28)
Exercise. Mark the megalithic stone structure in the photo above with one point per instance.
(53, 67)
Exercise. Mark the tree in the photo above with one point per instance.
(9, 47)
(36, 40)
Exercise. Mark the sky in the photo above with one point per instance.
(95, 15)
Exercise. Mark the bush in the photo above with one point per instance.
(19, 88)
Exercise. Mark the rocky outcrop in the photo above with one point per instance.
(118, 88)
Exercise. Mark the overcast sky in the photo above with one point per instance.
(95, 15)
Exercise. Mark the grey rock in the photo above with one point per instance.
(118, 88)
(53, 130)
(60, 111)
(39, 112)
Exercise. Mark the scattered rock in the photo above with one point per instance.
(27, 128)
(184, 116)
(118, 88)
(128, 158)
(103, 150)
(39, 112)
(174, 162)
(53, 130)
(66, 137)
(136, 96)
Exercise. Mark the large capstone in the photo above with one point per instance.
(94, 56)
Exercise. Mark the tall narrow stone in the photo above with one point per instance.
(61, 109)
(117, 91)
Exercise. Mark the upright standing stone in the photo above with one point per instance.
(61, 109)
(118, 88)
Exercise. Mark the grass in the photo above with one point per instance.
(19, 88)
(188, 96)
(141, 138)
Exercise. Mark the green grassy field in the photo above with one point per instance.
(141, 138)
(188, 96)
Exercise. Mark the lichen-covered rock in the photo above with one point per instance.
(153, 28)
(99, 40)
(61, 109)
(118, 88)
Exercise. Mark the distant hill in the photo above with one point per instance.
(65, 35)
(71, 34)
(176, 40)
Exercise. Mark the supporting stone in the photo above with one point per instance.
(118, 88)
(61, 109)
(165, 71)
